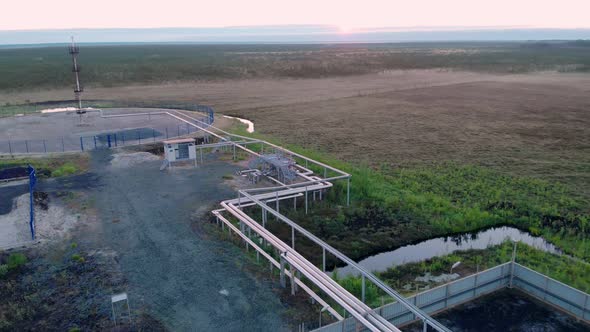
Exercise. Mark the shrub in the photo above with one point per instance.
(16, 260)
(78, 258)
(64, 170)
(3, 270)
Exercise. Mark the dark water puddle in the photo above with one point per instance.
(506, 310)
(446, 245)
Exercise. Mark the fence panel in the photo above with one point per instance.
(461, 285)
(123, 137)
(573, 295)
(392, 310)
(335, 327)
(432, 296)
(445, 296)
(554, 292)
(529, 276)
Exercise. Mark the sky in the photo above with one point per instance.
(346, 15)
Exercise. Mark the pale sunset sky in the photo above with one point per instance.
(348, 15)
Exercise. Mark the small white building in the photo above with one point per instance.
(182, 149)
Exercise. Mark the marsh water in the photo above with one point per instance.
(446, 245)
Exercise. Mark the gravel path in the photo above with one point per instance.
(188, 281)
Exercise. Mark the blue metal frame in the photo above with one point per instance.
(32, 183)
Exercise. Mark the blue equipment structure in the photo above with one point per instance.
(32, 183)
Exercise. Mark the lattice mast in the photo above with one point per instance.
(74, 51)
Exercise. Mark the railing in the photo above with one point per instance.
(106, 139)
(566, 298)
(570, 300)
(437, 299)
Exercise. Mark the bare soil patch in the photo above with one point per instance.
(537, 127)
(531, 124)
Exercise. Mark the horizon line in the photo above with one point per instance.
(333, 26)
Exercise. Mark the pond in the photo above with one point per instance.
(446, 245)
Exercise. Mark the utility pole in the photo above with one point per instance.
(74, 51)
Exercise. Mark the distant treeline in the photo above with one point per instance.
(44, 67)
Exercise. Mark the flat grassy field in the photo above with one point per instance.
(535, 127)
(49, 67)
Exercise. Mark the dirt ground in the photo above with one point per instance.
(52, 221)
(176, 274)
(230, 95)
(531, 124)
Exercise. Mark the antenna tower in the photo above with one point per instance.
(74, 51)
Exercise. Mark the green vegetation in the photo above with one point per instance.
(395, 207)
(50, 166)
(56, 293)
(227, 177)
(3, 270)
(12, 110)
(14, 261)
(64, 170)
(31, 68)
(78, 258)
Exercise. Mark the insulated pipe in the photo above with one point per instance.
(327, 282)
(415, 310)
(282, 246)
(343, 302)
(345, 175)
(274, 262)
(270, 144)
(312, 272)
(340, 295)
(285, 192)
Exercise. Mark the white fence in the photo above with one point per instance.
(569, 299)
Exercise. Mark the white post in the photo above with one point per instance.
(305, 199)
(282, 274)
(363, 289)
(324, 259)
(513, 262)
(348, 191)
(292, 279)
